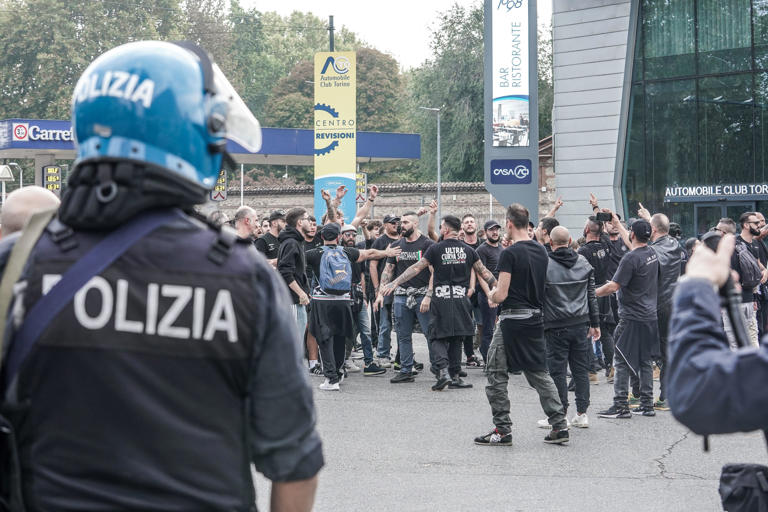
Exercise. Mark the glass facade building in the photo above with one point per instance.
(696, 143)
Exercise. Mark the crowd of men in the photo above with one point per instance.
(518, 298)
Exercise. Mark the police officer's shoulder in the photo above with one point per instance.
(6, 246)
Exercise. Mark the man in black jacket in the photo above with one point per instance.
(292, 264)
(570, 314)
(597, 252)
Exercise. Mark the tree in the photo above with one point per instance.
(452, 81)
(48, 44)
(546, 82)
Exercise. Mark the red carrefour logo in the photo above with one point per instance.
(20, 131)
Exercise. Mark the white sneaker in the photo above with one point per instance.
(327, 386)
(545, 423)
(385, 362)
(350, 366)
(356, 354)
(580, 420)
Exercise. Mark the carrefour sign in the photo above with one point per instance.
(24, 132)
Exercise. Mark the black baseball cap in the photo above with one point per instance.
(490, 224)
(641, 228)
(391, 219)
(330, 231)
(277, 214)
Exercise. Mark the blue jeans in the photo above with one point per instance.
(404, 319)
(300, 314)
(385, 330)
(364, 328)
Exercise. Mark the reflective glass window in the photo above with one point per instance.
(668, 38)
(724, 36)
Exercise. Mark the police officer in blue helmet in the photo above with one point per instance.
(171, 371)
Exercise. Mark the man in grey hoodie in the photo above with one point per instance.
(571, 316)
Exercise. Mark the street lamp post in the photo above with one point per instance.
(439, 176)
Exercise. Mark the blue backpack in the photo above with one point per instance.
(335, 271)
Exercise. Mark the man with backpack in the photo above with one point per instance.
(751, 273)
(331, 321)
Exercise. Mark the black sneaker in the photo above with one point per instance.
(396, 366)
(557, 437)
(418, 366)
(644, 410)
(457, 383)
(373, 369)
(495, 438)
(615, 412)
(462, 373)
(402, 377)
(316, 370)
(441, 383)
(474, 362)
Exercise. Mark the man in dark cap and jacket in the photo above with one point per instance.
(637, 334)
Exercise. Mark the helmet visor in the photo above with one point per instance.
(242, 127)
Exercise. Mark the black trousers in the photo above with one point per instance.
(664, 315)
(332, 356)
(570, 346)
(447, 354)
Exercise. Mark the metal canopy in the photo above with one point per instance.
(31, 138)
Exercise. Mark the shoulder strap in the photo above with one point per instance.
(18, 258)
(90, 264)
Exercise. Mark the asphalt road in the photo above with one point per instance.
(406, 448)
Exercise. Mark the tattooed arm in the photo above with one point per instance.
(409, 273)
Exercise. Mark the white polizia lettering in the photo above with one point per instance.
(117, 84)
(113, 305)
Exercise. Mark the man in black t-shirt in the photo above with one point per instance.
(381, 319)
(489, 253)
(407, 296)
(269, 243)
(451, 263)
(330, 318)
(471, 238)
(597, 252)
(518, 342)
(637, 335)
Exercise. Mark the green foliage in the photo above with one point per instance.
(546, 83)
(453, 82)
(268, 58)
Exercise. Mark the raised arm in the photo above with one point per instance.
(364, 210)
(555, 207)
(330, 210)
(431, 233)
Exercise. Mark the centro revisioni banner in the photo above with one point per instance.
(335, 129)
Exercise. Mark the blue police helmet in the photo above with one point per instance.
(162, 104)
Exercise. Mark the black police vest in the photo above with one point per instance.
(135, 397)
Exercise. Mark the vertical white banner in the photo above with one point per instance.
(510, 62)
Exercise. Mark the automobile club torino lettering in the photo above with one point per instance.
(114, 308)
(118, 84)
